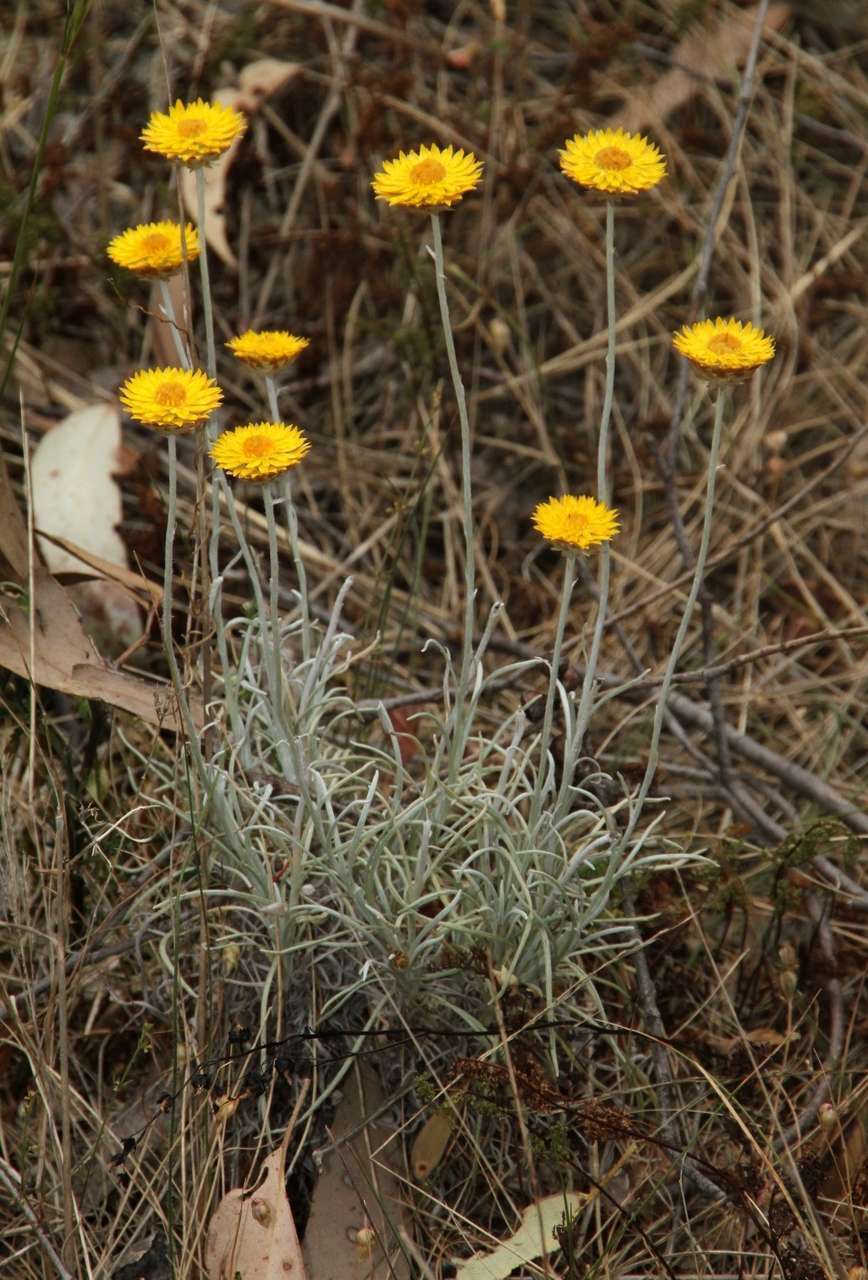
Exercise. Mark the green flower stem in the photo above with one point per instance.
(271, 392)
(469, 538)
(209, 537)
(545, 736)
(274, 601)
(698, 573)
(576, 739)
(207, 308)
(184, 714)
(292, 529)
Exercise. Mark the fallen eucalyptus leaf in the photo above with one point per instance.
(252, 1235)
(430, 1143)
(536, 1236)
(353, 1231)
(81, 456)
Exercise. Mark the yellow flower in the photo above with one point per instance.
(268, 349)
(194, 133)
(724, 349)
(170, 399)
(613, 161)
(429, 178)
(154, 249)
(260, 451)
(575, 524)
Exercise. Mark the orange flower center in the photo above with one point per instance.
(257, 447)
(724, 344)
(156, 242)
(171, 395)
(577, 522)
(612, 158)
(427, 172)
(192, 128)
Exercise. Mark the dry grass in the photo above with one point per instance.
(744, 983)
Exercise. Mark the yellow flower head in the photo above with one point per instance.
(269, 349)
(610, 160)
(724, 349)
(575, 524)
(170, 399)
(429, 178)
(155, 249)
(260, 451)
(194, 133)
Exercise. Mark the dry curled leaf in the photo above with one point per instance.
(252, 1235)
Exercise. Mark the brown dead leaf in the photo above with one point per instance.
(13, 531)
(65, 659)
(252, 1236)
(767, 1037)
(149, 593)
(849, 1152)
(256, 82)
(356, 1208)
(701, 54)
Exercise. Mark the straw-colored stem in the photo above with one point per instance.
(464, 421)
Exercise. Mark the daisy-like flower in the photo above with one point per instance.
(610, 160)
(575, 524)
(171, 400)
(193, 132)
(268, 349)
(429, 178)
(155, 249)
(724, 349)
(260, 451)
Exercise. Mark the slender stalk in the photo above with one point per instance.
(292, 529)
(274, 601)
(574, 743)
(301, 575)
(181, 350)
(207, 308)
(271, 392)
(458, 387)
(168, 585)
(545, 736)
(698, 572)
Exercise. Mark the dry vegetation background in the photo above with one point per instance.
(755, 965)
